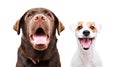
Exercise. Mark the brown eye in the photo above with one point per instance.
(92, 27)
(49, 15)
(30, 14)
(79, 27)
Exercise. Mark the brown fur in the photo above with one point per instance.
(91, 25)
(80, 24)
(30, 55)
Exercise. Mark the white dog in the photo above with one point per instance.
(86, 56)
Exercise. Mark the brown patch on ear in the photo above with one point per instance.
(60, 27)
(16, 26)
(92, 26)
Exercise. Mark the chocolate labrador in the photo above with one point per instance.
(38, 41)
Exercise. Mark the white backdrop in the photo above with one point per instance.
(105, 12)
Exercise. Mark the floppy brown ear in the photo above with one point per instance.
(60, 27)
(16, 27)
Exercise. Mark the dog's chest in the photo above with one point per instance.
(87, 61)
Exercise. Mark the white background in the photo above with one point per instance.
(105, 12)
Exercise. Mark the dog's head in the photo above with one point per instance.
(39, 27)
(86, 34)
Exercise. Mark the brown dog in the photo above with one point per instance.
(38, 41)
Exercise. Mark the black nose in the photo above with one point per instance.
(86, 32)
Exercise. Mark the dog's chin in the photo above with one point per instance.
(39, 39)
(86, 42)
(40, 47)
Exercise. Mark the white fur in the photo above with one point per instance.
(86, 58)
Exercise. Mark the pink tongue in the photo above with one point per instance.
(86, 43)
(40, 39)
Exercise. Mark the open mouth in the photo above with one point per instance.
(39, 39)
(86, 42)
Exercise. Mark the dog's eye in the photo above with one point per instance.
(92, 27)
(49, 14)
(30, 14)
(79, 27)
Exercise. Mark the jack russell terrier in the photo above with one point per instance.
(86, 56)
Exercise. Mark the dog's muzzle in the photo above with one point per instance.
(86, 41)
(39, 36)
